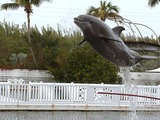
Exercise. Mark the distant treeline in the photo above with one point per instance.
(54, 50)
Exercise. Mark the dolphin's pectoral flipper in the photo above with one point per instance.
(150, 57)
(82, 42)
(117, 30)
(108, 38)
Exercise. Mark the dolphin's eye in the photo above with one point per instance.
(91, 22)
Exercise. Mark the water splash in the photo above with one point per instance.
(131, 88)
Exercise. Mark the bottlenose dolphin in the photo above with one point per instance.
(107, 41)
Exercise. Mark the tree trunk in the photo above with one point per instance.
(29, 39)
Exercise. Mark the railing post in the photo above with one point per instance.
(53, 94)
(29, 91)
(120, 91)
(90, 95)
(87, 97)
(149, 100)
(158, 94)
(9, 85)
(18, 94)
(116, 98)
(40, 92)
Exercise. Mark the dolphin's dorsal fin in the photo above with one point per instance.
(117, 30)
(82, 42)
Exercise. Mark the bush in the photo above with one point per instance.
(83, 65)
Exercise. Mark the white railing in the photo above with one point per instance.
(70, 93)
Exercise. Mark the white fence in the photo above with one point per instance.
(70, 93)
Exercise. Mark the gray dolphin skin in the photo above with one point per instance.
(107, 41)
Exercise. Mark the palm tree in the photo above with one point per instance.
(153, 3)
(27, 5)
(105, 11)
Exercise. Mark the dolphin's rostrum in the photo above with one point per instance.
(107, 41)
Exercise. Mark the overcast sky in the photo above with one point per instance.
(62, 12)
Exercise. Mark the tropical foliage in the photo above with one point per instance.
(27, 5)
(58, 51)
(84, 65)
(55, 50)
(105, 11)
(153, 3)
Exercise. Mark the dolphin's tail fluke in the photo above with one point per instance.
(150, 57)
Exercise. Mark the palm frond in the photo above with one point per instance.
(92, 11)
(39, 2)
(153, 3)
(114, 16)
(114, 9)
(104, 11)
(103, 5)
(12, 6)
(109, 5)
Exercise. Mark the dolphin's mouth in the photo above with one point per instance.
(78, 20)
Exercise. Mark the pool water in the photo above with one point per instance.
(77, 115)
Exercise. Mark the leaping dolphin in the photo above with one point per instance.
(107, 41)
